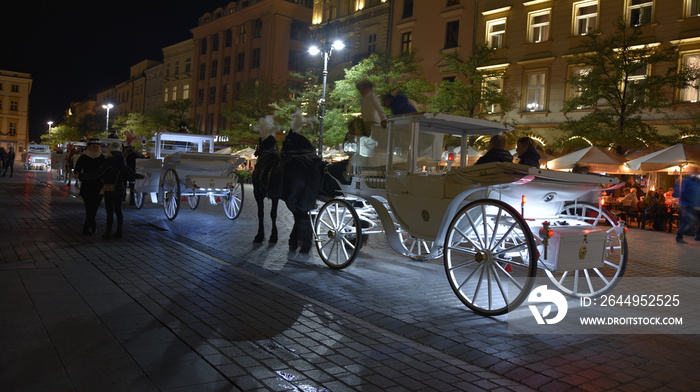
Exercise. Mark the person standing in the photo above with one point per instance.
(689, 201)
(87, 171)
(3, 156)
(9, 161)
(115, 176)
(497, 151)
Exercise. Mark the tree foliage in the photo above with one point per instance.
(471, 91)
(254, 100)
(623, 75)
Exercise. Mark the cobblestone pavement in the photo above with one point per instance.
(192, 305)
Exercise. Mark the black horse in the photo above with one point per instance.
(293, 175)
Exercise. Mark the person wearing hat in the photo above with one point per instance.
(87, 170)
(115, 176)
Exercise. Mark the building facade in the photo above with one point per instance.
(532, 40)
(428, 28)
(177, 71)
(362, 25)
(244, 41)
(15, 88)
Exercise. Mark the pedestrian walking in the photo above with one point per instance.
(689, 202)
(9, 161)
(115, 176)
(87, 170)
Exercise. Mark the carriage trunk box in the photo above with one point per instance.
(575, 247)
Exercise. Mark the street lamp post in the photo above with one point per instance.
(327, 51)
(50, 123)
(107, 106)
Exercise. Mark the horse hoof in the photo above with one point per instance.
(273, 240)
(258, 240)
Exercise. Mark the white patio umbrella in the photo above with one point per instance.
(677, 155)
(680, 155)
(596, 159)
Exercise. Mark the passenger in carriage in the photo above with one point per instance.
(497, 151)
(527, 155)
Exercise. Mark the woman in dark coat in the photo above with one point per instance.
(115, 176)
(527, 155)
(87, 169)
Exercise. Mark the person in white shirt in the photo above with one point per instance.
(373, 147)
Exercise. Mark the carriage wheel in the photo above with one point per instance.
(415, 247)
(338, 233)
(138, 199)
(170, 189)
(590, 282)
(192, 201)
(490, 257)
(233, 202)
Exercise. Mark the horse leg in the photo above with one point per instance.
(273, 217)
(260, 200)
(305, 232)
(294, 236)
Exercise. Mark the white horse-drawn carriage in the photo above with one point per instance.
(494, 224)
(184, 167)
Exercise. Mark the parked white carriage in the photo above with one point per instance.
(494, 224)
(184, 167)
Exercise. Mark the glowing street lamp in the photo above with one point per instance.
(326, 51)
(50, 123)
(107, 106)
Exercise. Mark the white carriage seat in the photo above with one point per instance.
(475, 176)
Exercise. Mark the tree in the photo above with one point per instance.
(475, 87)
(389, 74)
(619, 77)
(254, 100)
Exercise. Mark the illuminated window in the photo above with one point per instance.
(692, 92)
(186, 91)
(692, 8)
(496, 33)
(536, 88)
(585, 17)
(576, 91)
(174, 95)
(406, 42)
(242, 32)
(639, 12)
(492, 86)
(635, 81)
(166, 94)
(538, 26)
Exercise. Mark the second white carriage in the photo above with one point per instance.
(184, 167)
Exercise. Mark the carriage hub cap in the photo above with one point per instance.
(482, 256)
(331, 234)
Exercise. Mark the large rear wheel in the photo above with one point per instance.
(590, 282)
(338, 233)
(490, 257)
(233, 201)
(170, 189)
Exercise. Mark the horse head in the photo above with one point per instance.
(266, 145)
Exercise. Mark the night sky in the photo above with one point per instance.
(75, 49)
